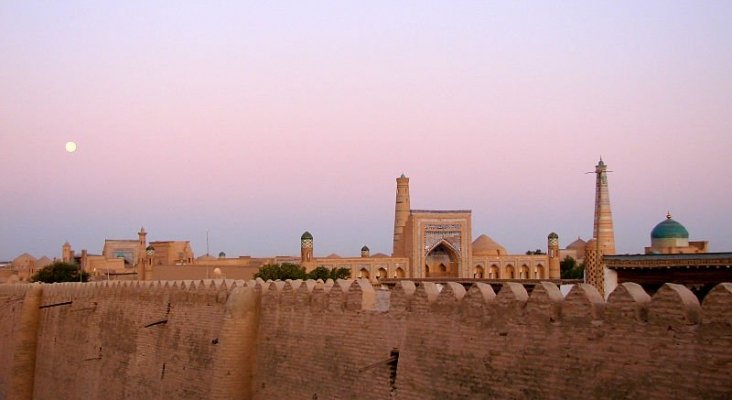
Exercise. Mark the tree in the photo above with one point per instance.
(280, 271)
(569, 269)
(537, 252)
(325, 273)
(340, 273)
(319, 273)
(293, 271)
(60, 271)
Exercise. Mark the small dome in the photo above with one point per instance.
(306, 235)
(669, 229)
(553, 235)
(577, 244)
(380, 255)
(222, 254)
(43, 261)
(333, 255)
(24, 257)
(485, 246)
(364, 248)
(205, 257)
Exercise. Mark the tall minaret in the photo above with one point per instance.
(603, 230)
(401, 214)
(603, 238)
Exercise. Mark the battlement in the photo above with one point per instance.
(349, 339)
(629, 302)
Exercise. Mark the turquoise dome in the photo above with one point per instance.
(669, 229)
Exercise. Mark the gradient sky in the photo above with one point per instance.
(256, 122)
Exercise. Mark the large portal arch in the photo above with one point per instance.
(442, 261)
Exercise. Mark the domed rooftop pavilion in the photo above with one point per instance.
(577, 244)
(669, 233)
(669, 229)
(485, 246)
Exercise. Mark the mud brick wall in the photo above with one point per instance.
(334, 342)
(349, 340)
(122, 341)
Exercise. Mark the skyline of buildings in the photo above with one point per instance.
(324, 249)
(124, 249)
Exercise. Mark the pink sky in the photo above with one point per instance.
(258, 122)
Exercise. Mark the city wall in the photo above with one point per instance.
(348, 340)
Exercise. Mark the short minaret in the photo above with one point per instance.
(553, 254)
(401, 214)
(141, 254)
(306, 251)
(66, 255)
(603, 231)
(84, 259)
(365, 252)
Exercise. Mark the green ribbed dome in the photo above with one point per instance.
(364, 248)
(306, 235)
(669, 229)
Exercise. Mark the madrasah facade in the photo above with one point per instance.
(438, 244)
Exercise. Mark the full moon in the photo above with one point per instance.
(70, 147)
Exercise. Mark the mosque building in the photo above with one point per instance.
(671, 258)
(670, 237)
(438, 244)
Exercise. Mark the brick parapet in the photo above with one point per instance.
(671, 304)
(456, 343)
(314, 339)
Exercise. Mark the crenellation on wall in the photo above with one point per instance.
(717, 306)
(675, 305)
(583, 304)
(484, 290)
(287, 294)
(478, 303)
(511, 300)
(545, 303)
(628, 302)
(336, 297)
(425, 294)
(400, 299)
(306, 339)
(449, 299)
(360, 296)
(303, 294)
